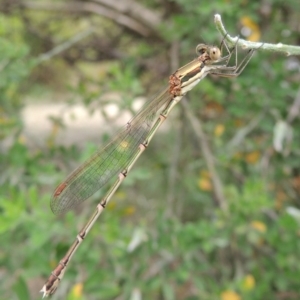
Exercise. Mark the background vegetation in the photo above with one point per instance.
(164, 235)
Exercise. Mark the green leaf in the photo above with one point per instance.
(20, 288)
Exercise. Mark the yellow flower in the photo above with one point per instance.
(252, 157)
(77, 290)
(230, 295)
(255, 34)
(130, 210)
(204, 182)
(248, 282)
(259, 226)
(111, 205)
(219, 130)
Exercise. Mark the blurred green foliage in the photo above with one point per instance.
(163, 236)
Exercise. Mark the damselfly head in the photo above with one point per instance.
(214, 53)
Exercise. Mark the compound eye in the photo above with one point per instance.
(214, 53)
(201, 49)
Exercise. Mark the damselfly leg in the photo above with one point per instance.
(237, 68)
(117, 158)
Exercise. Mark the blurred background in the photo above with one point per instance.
(74, 72)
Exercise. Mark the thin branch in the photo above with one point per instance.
(232, 41)
(65, 45)
(79, 7)
(243, 132)
(207, 154)
(135, 10)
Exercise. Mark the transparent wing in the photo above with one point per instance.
(109, 161)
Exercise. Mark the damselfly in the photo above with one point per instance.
(118, 157)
